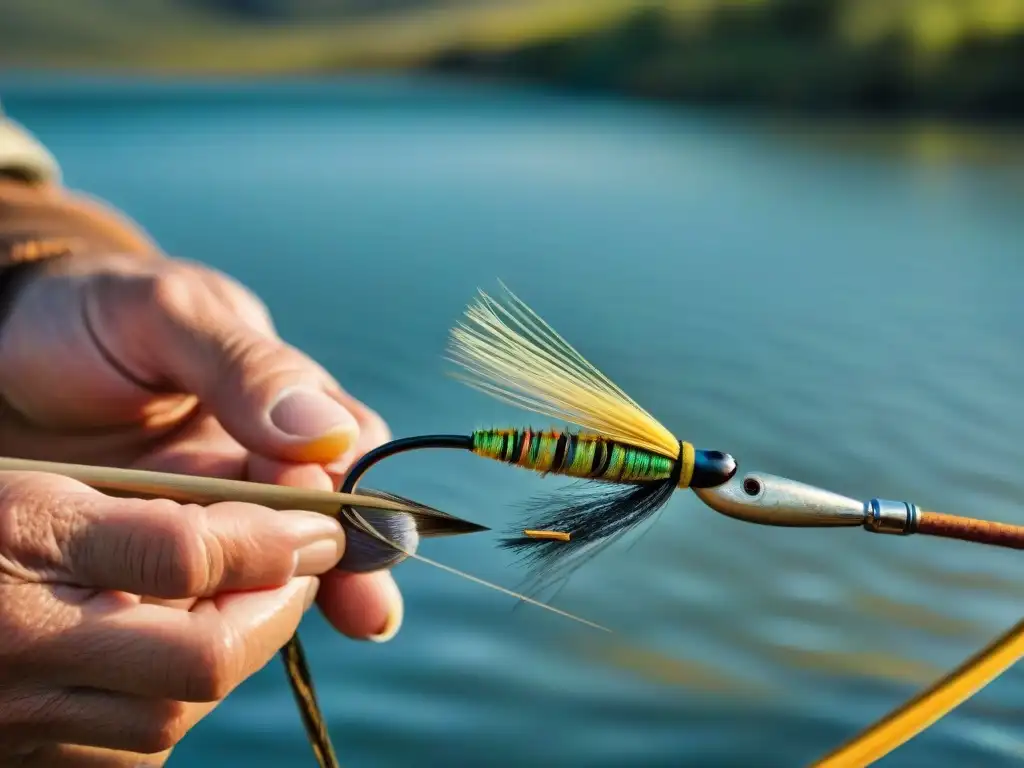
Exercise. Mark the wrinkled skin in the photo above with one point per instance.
(124, 622)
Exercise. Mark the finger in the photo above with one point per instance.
(196, 656)
(62, 530)
(242, 302)
(107, 721)
(373, 432)
(206, 449)
(260, 469)
(201, 447)
(272, 398)
(169, 550)
(359, 605)
(181, 603)
(363, 606)
(75, 756)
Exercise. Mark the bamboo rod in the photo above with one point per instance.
(137, 483)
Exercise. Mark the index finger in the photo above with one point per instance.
(163, 549)
(57, 529)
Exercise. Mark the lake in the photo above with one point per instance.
(838, 303)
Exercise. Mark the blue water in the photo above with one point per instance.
(840, 303)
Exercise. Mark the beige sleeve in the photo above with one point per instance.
(23, 156)
(41, 219)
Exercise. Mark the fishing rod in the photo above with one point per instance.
(632, 465)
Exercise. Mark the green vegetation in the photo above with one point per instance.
(952, 57)
(960, 58)
(252, 37)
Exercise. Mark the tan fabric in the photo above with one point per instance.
(40, 219)
(23, 156)
(39, 222)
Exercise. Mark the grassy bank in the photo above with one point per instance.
(958, 58)
(198, 37)
(961, 58)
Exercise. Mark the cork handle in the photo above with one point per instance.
(970, 529)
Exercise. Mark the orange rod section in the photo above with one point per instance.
(970, 529)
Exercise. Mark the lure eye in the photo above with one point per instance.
(751, 486)
(711, 468)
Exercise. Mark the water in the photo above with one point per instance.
(842, 306)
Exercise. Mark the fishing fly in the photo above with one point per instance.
(632, 464)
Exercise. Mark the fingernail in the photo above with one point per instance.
(316, 558)
(395, 616)
(311, 590)
(311, 414)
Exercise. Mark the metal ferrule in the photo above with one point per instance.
(895, 517)
(756, 497)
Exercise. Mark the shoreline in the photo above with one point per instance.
(60, 82)
(816, 59)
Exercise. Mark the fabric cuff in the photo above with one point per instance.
(23, 156)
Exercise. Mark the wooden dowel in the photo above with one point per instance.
(137, 483)
(970, 529)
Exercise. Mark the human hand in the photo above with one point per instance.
(144, 361)
(85, 663)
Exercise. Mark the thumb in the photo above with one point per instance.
(194, 330)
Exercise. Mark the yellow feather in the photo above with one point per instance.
(510, 353)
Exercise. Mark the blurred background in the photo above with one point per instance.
(791, 229)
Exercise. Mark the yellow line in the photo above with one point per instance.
(911, 718)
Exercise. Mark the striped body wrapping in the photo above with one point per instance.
(574, 455)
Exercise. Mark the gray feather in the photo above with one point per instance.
(365, 553)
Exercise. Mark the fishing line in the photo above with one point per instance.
(926, 708)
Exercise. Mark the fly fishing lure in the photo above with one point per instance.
(632, 463)
(506, 350)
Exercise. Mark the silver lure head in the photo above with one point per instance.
(757, 497)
